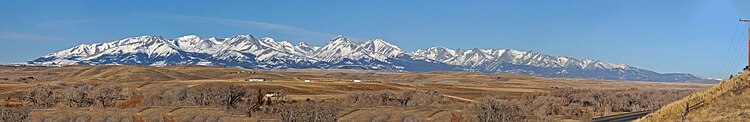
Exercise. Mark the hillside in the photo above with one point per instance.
(726, 101)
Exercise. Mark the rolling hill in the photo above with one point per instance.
(726, 101)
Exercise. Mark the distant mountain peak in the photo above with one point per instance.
(304, 44)
(188, 37)
(340, 39)
(247, 51)
(339, 36)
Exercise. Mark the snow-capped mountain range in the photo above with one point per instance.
(249, 52)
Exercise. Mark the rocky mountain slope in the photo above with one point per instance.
(247, 51)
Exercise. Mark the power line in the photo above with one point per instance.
(736, 54)
(740, 51)
(725, 62)
(733, 56)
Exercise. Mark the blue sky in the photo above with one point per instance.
(688, 36)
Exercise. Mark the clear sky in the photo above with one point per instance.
(686, 36)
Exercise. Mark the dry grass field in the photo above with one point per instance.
(726, 101)
(205, 93)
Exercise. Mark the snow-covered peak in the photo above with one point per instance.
(149, 45)
(188, 38)
(381, 48)
(378, 42)
(304, 44)
(266, 53)
(340, 40)
(242, 38)
(478, 57)
(141, 40)
(600, 64)
(194, 43)
(267, 40)
(286, 43)
(435, 53)
(307, 48)
(341, 48)
(472, 57)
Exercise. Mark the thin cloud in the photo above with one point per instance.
(62, 23)
(17, 36)
(286, 29)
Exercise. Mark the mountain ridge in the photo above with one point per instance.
(247, 51)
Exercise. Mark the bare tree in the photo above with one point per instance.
(309, 112)
(403, 98)
(42, 96)
(580, 104)
(495, 110)
(232, 95)
(78, 95)
(10, 114)
(176, 95)
(223, 94)
(106, 96)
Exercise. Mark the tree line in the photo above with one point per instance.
(559, 103)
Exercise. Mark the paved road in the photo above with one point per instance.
(626, 117)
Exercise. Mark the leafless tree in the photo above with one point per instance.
(579, 104)
(309, 112)
(175, 95)
(496, 110)
(78, 95)
(14, 114)
(391, 98)
(42, 96)
(107, 95)
(217, 94)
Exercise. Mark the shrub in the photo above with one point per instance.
(580, 104)
(309, 112)
(12, 114)
(223, 94)
(403, 98)
(495, 110)
(106, 95)
(210, 94)
(176, 95)
(42, 96)
(78, 95)
(547, 105)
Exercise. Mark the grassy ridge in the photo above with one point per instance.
(726, 101)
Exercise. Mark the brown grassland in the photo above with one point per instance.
(726, 101)
(207, 93)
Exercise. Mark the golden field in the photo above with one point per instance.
(140, 86)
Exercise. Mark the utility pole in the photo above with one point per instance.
(748, 44)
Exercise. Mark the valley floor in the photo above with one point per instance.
(200, 93)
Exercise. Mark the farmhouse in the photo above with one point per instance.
(273, 94)
(357, 81)
(257, 79)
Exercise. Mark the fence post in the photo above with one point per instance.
(687, 109)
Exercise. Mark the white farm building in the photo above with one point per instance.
(256, 79)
